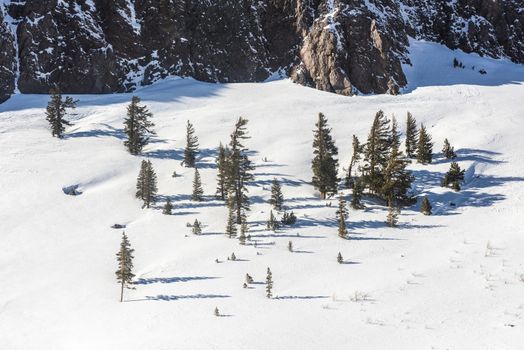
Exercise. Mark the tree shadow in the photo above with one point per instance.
(470, 154)
(300, 297)
(108, 131)
(163, 297)
(153, 280)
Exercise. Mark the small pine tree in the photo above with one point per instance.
(288, 218)
(197, 227)
(168, 208)
(198, 192)
(356, 198)
(324, 164)
(146, 184)
(191, 149)
(233, 257)
(290, 246)
(453, 177)
(249, 279)
(124, 274)
(277, 199)
(425, 208)
(342, 214)
(269, 284)
(424, 146)
(216, 312)
(448, 151)
(340, 259)
(392, 218)
(137, 126)
(411, 136)
(272, 223)
(56, 112)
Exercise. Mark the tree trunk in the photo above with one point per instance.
(122, 291)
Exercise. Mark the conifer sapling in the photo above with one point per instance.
(425, 207)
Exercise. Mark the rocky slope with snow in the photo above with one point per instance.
(341, 46)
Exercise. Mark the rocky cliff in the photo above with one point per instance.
(341, 46)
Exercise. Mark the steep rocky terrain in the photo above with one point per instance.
(341, 46)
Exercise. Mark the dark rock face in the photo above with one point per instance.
(341, 46)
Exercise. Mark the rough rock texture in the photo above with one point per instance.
(341, 46)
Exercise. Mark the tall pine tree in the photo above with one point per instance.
(424, 146)
(397, 179)
(324, 164)
(222, 168)
(56, 112)
(376, 153)
(356, 197)
(137, 126)
(411, 136)
(269, 284)
(239, 169)
(124, 274)
(355, 157)
(146, 187)
(191, 149)
(198, 192)
(277, 198)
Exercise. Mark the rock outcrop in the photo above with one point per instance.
(341, 46)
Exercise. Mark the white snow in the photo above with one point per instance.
(448, 281)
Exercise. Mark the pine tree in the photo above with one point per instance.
(231, 228)
(340, 259)
(197, 227)
(191, 149)
(239, 169)
(448, 151)
(222, 168)
(197, 187)
(376, 153)
(290, 246)
(137, 126)
(397, 179)
(272, 223)
(289, 218)
(356, 198)
(424, 146)
(392, 218)
(269, 284)
(425, 208)
(56, 112)
(146, 184)
(216, 312)
(168, 207)
(453, 177)
(395, 135)
(124, 274)
(249, 279)
(233, 257)
(355, 157)
(324, 164)
(411, 136)
(277, 199)
(342, 214)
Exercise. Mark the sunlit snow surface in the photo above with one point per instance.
(448, 281)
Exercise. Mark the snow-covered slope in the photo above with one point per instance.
(447, 281)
